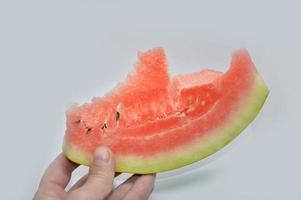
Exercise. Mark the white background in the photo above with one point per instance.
(55, 53)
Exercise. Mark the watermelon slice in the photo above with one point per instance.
(155, 123)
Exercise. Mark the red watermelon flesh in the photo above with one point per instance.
(154, 123)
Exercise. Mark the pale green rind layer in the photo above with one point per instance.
(190, 153)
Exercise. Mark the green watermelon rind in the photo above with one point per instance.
(188, 154)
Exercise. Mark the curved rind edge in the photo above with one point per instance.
(190, 153)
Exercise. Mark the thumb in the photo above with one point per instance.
(100, 179)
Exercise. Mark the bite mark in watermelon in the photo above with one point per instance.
(155, 123)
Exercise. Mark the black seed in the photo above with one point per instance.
(77, 121)
(88, 130)
(117, 116)
(104, 126)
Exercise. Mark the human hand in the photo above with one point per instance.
(96, 185)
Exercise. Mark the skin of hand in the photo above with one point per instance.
(96, 185)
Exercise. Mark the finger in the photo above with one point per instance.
(142, 188)
(100, 179)
(83, 180)
(123, 189)
(58, 173)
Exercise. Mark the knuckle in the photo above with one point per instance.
(102, 177)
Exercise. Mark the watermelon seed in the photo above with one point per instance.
(77, 121)
(161, 116)
(89, 130)
(117, 116)
(104, 126)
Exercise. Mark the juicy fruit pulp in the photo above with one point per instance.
(154, 123)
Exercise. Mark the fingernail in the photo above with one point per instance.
(102, 155)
